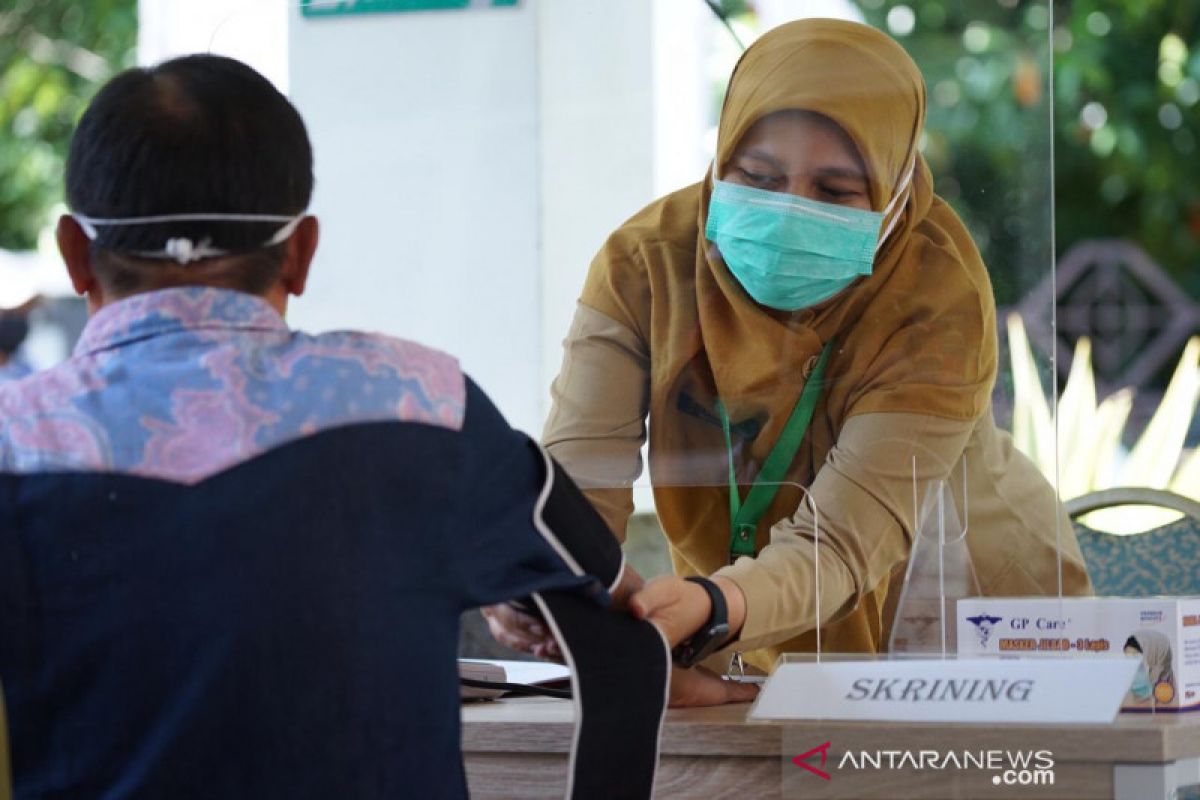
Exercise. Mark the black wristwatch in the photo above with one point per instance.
(712, 633)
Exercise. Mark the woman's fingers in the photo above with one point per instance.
(700, 687)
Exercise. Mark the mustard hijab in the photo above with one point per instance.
(917, 335)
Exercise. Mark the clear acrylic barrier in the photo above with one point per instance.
(472, 162)
(458, 197)
(940, 572)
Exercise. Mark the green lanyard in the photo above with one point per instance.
(743, 517)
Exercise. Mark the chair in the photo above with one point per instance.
(1161, 561)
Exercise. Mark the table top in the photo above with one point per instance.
(545, 725)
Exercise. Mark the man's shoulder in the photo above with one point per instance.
(377, 350)
(186, 415)
(36, 386)
(433, 381)
(14, 369)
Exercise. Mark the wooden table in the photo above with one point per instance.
(518, 749)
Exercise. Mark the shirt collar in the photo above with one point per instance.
(184, 308)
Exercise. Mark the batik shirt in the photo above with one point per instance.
(233, 558)
(182, 383)
(14, 369)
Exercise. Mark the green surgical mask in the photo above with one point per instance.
(1141, 682)
(789, 252)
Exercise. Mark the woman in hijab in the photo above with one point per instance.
(1154, 680)
(814, 256)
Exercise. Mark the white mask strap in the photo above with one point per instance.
(287, 230)
(183, 249)
(901, 194)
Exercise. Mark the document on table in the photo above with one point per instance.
(530, 673)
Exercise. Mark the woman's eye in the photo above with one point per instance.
(837, 193)
(756, 178)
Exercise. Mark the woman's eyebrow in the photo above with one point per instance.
(759, 155)
(850, 173)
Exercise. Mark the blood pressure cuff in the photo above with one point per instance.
(582, 531)
(620, 666)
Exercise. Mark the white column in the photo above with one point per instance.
(253, 31)
(425, 128)
(596, 90)
(683, 92)
(469, 163)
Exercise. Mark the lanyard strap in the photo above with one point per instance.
(744, 517)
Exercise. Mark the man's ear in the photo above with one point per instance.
(75, 248)
(298, 254)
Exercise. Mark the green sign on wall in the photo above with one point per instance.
(336, 8)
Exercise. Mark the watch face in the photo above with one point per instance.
(708, 639)
(711, 640)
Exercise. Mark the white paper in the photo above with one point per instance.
(530, 673)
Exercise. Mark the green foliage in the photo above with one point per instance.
(733, 8)
(53, 55)
(986, 66)
(1137, 176)
(1127, 167)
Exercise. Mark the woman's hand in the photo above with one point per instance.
(701, 687)
(679, 608)
(524, 632)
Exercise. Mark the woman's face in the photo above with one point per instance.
(802, 154)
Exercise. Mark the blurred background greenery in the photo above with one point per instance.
(53, 55)
(1126, 126)
(1126, 122)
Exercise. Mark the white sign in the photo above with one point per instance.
(951, 690)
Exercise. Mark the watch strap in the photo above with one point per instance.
(712, 633)
(719, 613)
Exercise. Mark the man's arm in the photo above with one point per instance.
(524, 477)
(595, 430)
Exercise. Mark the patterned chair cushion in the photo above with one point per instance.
(1163, 561)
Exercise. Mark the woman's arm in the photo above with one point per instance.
(864, 499)
(597, 422)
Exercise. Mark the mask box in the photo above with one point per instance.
(1164, 632)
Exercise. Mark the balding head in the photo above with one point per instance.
(198, 134)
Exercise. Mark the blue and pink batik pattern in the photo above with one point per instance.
(183, 383)
(13, 369)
